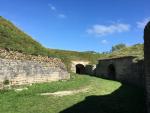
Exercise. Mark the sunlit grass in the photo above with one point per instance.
(29, 101)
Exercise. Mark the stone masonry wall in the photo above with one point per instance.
(147, 62)
(19, 72)
(74, 63)
(125, 68)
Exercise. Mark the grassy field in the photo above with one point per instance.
(103, 96)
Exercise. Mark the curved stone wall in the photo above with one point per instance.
(41, 69)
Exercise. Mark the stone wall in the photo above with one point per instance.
(76, 62)
(88, 69)
(147, 62)
(126, 69)
(24, 71)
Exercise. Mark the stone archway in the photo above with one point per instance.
(112, 72)
(74, 64)
(80, 69)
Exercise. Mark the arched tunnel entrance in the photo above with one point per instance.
(112, 72)
(80, 69)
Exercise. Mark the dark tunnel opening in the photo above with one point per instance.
(80, 69)
(112, 72)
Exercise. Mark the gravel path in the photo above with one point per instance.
(64, 93)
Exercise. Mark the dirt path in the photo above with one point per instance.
(64, 93)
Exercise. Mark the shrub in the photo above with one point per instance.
(6, 82)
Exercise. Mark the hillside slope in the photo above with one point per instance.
(135, 50)
(75, 55)
(13, 38)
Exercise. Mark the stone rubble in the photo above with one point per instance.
(14, 55)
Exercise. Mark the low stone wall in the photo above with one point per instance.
(19, 72)
(126, 69)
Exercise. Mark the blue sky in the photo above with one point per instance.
(81, 25)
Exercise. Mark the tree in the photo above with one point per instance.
(118, 47)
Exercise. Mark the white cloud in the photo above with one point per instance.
(104, 42)
(56, 12)
(53, 8)
(62, 16)
(101, 30)
(141, 24)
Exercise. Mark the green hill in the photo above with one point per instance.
(12, 38)
(135, 50)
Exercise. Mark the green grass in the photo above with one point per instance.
(103, 96)
(135, 50)
(13, 38)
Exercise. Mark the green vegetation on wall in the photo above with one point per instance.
(118, 47)
(135, 50)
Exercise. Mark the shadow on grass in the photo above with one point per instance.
(126, 99)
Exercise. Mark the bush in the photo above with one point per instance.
(6, 82)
